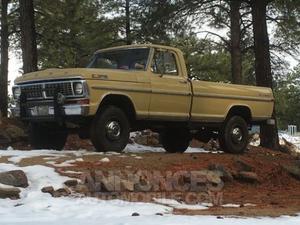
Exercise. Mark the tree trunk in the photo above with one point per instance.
(268, 133)
(4, 59)
(235, 31)
(28, 36)
(128, 30)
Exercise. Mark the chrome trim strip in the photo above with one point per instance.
(143, 90)
(121, 81)
(48, 79)
(249, 98)
(172, 93)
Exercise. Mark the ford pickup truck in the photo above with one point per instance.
(136, 87)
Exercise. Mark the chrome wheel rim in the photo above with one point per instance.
(113, 130)
(237, 135)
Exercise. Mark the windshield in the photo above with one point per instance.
(124, 59)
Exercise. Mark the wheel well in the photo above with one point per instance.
(242, 111)
(121, 101)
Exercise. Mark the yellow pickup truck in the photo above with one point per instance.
(136, 87)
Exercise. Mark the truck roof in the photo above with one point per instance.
(139, 46)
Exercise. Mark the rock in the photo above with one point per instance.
(71, 183)
(146, 132)
(4, 138)
(141, 139)
(159, 214)
(289, 147)
(148, 138)
(224, 173)
(48, 189)
(12, 193)
(135, 214)
(15, 133)
(127, 185)
(105, 160)
(244, 166)
(249, 177)
(211, 145)
(16, 178)
(82, 189)
(61, 192)
(213, 177)
(293, 170)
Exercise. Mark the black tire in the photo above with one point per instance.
(110, 130)
(175, 140)
(234, 135)
(42, 137)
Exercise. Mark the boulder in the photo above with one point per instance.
(222, 171)
(71, 183)
(9, 192)
(135, 214)
(289, 147)
(147, 138)
(48, 189)
(245, 176)
(82, 189)
(213, 177)
(141, 139)
(127, 185)
(61, 192)
(16, 178)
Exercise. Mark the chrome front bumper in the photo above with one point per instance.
(48, 111)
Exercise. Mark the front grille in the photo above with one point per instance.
(33, 91)
(63, 88)
(47, 90)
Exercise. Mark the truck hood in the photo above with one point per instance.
(84, 73)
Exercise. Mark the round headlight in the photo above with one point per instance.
(16, 92)
(78, 88)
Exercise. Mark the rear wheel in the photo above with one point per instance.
(233, 137)
(43, 137)
(110, 130)
(175, 140)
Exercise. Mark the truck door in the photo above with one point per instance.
(171, 91)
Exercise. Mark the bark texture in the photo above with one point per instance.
(4, 59)
(235, 31)
(268, 133)
(128, 30)
(28, 36)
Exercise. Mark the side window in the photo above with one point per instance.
(164, 63)
(170, 64)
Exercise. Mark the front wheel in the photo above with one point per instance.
(175, 140)
(110, 130)
(42, 137)
(233, 136)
